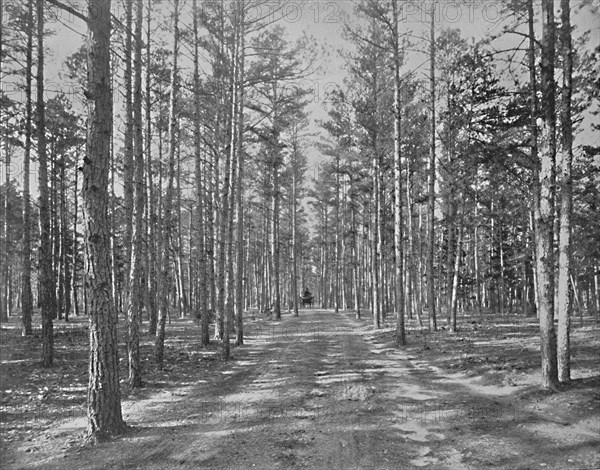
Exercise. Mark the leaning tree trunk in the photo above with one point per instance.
(104, 395)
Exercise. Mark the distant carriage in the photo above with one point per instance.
(307, 301)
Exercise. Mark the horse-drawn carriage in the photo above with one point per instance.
(307, 300)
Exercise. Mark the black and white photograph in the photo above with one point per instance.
(300, 234)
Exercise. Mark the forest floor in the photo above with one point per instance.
(321, 391)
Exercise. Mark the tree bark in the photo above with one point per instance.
(128, 170)
(104, 395)
(398, 216)
(294, 217)
(136, 274)
(431, 199)
(27, 300)
(167, 225)
(566, 192)
(47, 279)
(3, 316)
(201, 242)
(239, 279)
(545, 208)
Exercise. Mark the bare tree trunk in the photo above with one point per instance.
(294, 217)
(275, 244)
(183, 300)
(4, 242)
(27, 300)
(375, 279)
(55, 231)
(152, 209)
(398, 216)
(240, 276)
(545, 208)
(200, 193)
(136, 274)
(128, 170)
(336, 278)
(75, 245)
(566, 192)
(355, 259)
(47, 280)
(431, 201)
(3, 142)
(65, 272)
(104, 395)
(113, 224)
(167, 225)
(234, 155)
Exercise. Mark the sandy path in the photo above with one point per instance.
(319, 392)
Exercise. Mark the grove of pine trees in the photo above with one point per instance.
(170, 177)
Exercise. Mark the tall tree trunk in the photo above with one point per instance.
(104, 395)
(222, 332)
(201, 242)
(294, 217)
(167, 226)
(113, 224)
(55, 230)
(275, 233)
(4, 242)
(136, 274)
(65, 272)
(337, 260)
(47, 279)
(3, 316)
(276, 195)
(431, 199)
(75, 245)
(239, 279)
(128, 170)
(234, 155)
(398, 216)
(152, 215)
(533, 130)
(183, 300)
(27, 300)
(355, 257)
(566, 192)
(375, 279)
(545, 208)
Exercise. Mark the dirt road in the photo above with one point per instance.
(322, 391)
